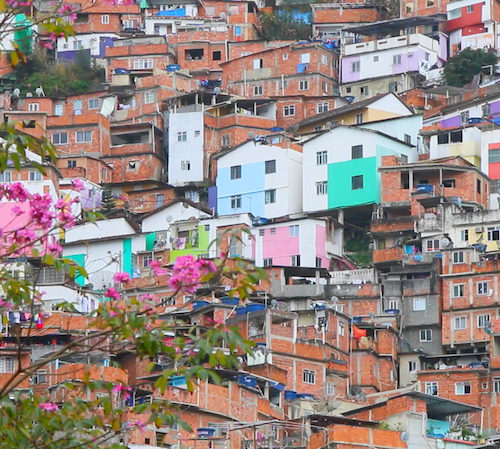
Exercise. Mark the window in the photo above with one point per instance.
(393, 86)
(132, 165)
(268, 262)
(236, 202)
(462, 388)
(407, 138)
(294, 231)
(322, 107)
(494, 233)
(482, 288)
(77, 107)
(285, 56)
(262, 232)
(355, 66)
(460, 323)
(359, 119)
(393, 304)
(6, 176)
(258, 64)
(478, 185)
(270, 166)
(160, 198)
(236, 172)
(105, 19)
(58, 109)
(450, 183)
(458, 290)
(412, 366)
(71, 163)
(257, 91)
(272, 231)
(324, 60)
(396, 59)
(309, 376)
(6, 365)
(318, 262)
(431, 388)
(94, 103)
(357, 152)
(464, 117)
(364, 91)
(433, 245)
(304, 85)
(143, 64)
(483, 320)
(470, 9)
(34, 107)
(77, 45)
(295, 261)
(83, 136)
(357, 182)
(210, 10)
(305, 58)
(146, 260)
(185, 165)
(270, 196)
(321, 188)
(226, 140)
(419, 304)
(425, 335)
(341, 328)
(40, 377)
(181, 136)
(217, 55)
(458, 257)
(321, 158)
(486, 110)
(149, 97)
(197, 133)
(289, 110)
(496, 384)
(330, 389)
(325, 87)
(35, 175)
(60, 138)
(464, 235)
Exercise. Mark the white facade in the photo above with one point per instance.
(89, 41)
(185, 147)
(163, 26)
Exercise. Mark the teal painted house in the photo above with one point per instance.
(341, 167)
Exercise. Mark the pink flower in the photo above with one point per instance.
(188, 271)
(112, 293)
(121, 277)
(16, 210)
(125, 391)
(54, 248)
(49, 406)
(77, 184)
(47, 45)
(155, 265)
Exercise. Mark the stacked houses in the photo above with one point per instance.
(367, 190)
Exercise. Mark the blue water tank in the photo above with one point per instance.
(241, 310)
(230, 301)
(173, 67)
(290, 395)
(198, 304)
(206, 432)
(255, 307)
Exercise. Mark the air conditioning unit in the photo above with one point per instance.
(479, 229)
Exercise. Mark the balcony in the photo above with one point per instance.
(365, 275)
(293, 291)
(387, 255)
(391, 42)
(393, 224)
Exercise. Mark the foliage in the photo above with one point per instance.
(57, 79)
(357, 249)
(461, 68)
(284, 26)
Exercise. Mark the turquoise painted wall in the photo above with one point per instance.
(340, 192)
(80, 260)
(127, 256)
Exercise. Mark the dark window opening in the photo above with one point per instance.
(194, 54)
(82, 18)
(357, 152)
(478, 185)
(216, 55)
(456, 136)
(126, 139)
(448, 183)
(405, 181)
(357, 182)
(71, 164)
(443, 138)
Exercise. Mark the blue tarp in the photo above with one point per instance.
(172, 13)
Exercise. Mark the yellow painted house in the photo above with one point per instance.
(379, 107)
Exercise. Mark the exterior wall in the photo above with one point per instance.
(190, 150)
(277, 244)
(254, 181)
(382, 85)
(415, 51)
(68, 48)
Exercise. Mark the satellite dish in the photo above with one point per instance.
(40, 92)
(404, 436)
(102, 279)
(334, 299)
(169, 218)
(329, 125)
(16, 92)
(185, 206)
